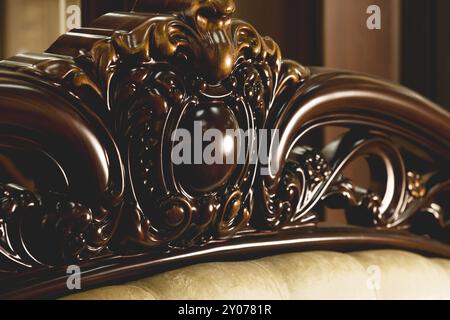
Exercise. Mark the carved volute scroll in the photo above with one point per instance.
(85, 142)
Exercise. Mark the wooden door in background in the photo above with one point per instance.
(349, 44)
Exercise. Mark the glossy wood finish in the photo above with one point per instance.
(117, 269)
(96, 113)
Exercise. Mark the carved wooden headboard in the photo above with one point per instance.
(85, 170)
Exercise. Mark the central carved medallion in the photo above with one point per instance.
(198, 71)
(213, 150)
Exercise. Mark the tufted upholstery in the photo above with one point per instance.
(312, 275)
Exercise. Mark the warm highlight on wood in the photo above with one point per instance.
(85, 170)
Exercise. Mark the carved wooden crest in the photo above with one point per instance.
(85, 168)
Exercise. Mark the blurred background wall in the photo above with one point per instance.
(29, 25)
(33, 25)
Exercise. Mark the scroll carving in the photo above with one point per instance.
(97, 112)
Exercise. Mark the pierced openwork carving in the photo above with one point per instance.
(85, 141)
(169, 72)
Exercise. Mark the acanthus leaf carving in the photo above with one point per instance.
(113, 99)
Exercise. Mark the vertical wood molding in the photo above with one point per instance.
(296, 24)
(304, 25)
(419, 28)
(443, 53)
(2, 28)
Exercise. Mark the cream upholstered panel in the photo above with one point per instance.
(312, 275)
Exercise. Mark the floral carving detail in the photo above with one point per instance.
(14, 199)
(125, 92)
(317, 168)
(202, 59)
(416, 186)
(68, 230)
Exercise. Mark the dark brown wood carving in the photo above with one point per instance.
(85, 170)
